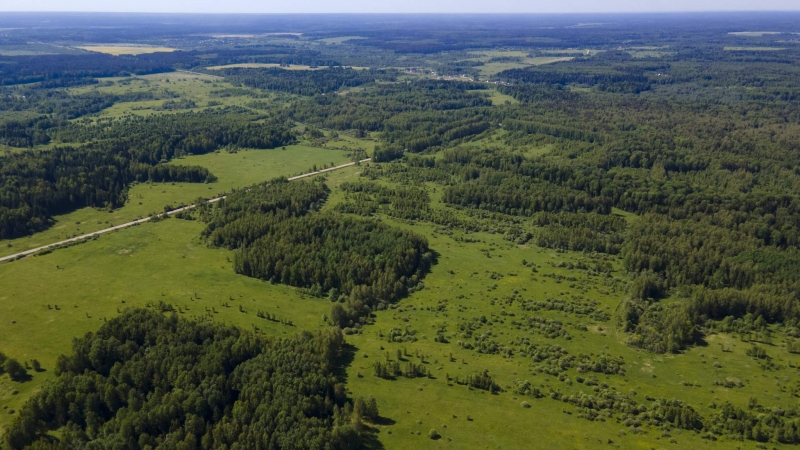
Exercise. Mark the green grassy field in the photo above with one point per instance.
(493, 68)
(148, 263)
(499, 98)
(518, 60)
(117, 49)
(474, 277)
(649, 51)
(340, 39)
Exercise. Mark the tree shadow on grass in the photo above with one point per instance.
(701, 341)
(343, 361)
(385, 421)
(370, 438)
(371, 442)
(22, 378)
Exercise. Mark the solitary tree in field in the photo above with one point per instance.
(15, 370)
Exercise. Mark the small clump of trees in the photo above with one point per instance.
(15, 370)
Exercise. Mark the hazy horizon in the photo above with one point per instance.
(398, 7)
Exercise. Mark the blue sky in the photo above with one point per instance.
(399, 6)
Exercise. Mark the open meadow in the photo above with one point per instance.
(480, 279)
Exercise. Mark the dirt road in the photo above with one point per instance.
(147, 219)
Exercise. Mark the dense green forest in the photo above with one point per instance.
(248, 214)
(144, 379)
(280, 238)
(312, 82)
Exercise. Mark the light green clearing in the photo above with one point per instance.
(493, 68)
(649, 53)
(498, 98)
(340, 40)
(539, 151)
(629, 216)
(124, 49)
(487, 55)
(181, 76)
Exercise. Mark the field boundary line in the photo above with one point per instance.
(93, 234)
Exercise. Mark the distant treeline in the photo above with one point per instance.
(71, 70)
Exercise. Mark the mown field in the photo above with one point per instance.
(125, 49)
(498, 61)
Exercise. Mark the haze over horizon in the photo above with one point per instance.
(409, 6)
